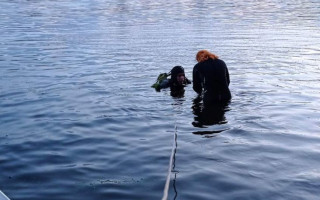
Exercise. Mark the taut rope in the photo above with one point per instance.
(174, 147)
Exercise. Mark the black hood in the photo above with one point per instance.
(175, 71)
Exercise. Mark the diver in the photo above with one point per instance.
(211, 78)
(177, 82)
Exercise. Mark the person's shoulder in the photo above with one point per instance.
(165, 83)
(197, 65)
(221, 62)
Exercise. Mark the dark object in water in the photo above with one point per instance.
(162, 79)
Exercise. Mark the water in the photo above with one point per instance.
(79, 119)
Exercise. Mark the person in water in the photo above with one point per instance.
(211, 78)
(177, 81)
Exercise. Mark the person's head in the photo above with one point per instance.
(204, 55)
(177, 75)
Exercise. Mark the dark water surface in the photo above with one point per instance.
(79, 120)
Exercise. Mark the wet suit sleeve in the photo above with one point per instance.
(164, 84)
(197, 86)
(187, 81)
(227, 76)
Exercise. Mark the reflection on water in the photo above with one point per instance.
(205, 116)
(177, 93)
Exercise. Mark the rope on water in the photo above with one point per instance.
(3, 196)
(174, 146)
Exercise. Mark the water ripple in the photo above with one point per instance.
(79, 119)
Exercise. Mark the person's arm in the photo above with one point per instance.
(197, 86)
(224, 73)
(164, 84)
(187, 81)
(227, 76)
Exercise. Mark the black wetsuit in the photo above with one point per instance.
(212, 78)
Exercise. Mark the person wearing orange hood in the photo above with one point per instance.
(211, 78)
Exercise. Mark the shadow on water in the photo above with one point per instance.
(205, 116)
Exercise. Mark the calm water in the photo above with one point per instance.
(79, 119)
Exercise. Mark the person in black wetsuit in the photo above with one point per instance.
(211, 78)
(177, 82)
